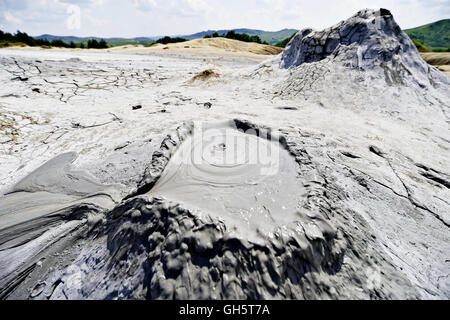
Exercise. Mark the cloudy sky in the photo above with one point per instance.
(132, 18)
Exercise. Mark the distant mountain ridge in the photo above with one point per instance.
(272, 37)
(50, 37)
(433, 35)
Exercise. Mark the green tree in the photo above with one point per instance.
(93, 44)
(167, 40)
(230, 35)
(103, 44)
(24, 38)
(59, 43)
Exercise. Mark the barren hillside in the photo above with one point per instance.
(440, 60)
(214, 46)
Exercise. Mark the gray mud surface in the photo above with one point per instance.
(234, 176)
(320, 174)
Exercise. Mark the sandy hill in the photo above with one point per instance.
(221, 47)
(440, 60)
(214, 46)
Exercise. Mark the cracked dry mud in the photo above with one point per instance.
(102, 201)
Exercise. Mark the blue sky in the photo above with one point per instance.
(132, 18)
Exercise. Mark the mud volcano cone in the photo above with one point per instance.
(371, 39)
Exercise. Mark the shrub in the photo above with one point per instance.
(285, 42)
(420, 46)
(58, 43)
(167, 40)
(103, 44)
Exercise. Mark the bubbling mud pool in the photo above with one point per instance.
(244, 179)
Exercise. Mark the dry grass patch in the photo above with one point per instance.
(10, 125)
(206, 75)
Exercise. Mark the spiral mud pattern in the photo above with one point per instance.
(237, 176)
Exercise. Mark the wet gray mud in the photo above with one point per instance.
(42, 210)
(165, 245)
(247, 181)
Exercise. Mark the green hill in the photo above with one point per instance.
(275, 37)
(272, 37)
(284, 43)
(433, 35)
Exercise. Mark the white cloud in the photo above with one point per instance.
(145, 5)
(172, 17)
(11, 18)
(73, 22)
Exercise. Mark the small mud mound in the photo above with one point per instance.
(236, 176)
(206, 75)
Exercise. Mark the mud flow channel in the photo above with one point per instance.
(246, 180)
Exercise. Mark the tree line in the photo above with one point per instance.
(285, 42)
(7, 39)
(237, 36)
(229, 35)
(167, 40)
